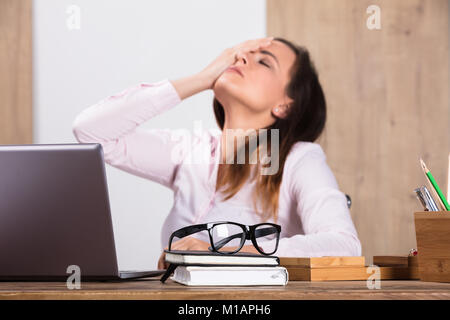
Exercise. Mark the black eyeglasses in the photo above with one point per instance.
(224, 234)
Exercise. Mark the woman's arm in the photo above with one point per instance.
(322, 207)
(191, 85)
(114, 123)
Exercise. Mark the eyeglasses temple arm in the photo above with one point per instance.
(186, 231)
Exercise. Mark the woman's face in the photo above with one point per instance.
(261, 87)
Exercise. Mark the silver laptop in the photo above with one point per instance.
(55, 214)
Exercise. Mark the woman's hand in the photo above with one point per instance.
(228, 57)
(191, 243)
(187, 243)
(205, 79)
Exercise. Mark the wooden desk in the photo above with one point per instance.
(152, 288)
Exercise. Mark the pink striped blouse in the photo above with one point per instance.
(313, 213)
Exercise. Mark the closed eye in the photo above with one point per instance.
(262, 62)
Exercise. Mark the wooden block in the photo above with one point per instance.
(323, 262)
(413, 261)
(385, 261)
(399, 273)
(400, 261)
(351, 273)
(327, 274)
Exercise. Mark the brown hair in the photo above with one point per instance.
(305, 122)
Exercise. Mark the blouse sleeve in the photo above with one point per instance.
(322, 207)
(114, 123)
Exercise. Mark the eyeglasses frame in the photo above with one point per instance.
(249, 231)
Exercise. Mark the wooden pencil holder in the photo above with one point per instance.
(433, 245)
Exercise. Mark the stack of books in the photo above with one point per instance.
(204, 268)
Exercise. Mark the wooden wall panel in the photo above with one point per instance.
(16, 72)
(387, 95)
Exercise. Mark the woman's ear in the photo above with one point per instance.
(281, 110)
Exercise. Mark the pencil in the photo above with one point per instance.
(448, 178)
(435, 186)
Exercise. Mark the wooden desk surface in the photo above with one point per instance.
(152, 288)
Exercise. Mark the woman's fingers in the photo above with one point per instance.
(190, 243)
(228, 57)
(180, 244)
(251, 45)
(161, 261)
(254, 44)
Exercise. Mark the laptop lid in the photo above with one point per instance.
(55, 212)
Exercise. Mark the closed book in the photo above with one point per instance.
(214, 258)
(230, 276)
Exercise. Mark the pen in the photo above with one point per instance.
(441, 198)
(421, 199)
(432, 206)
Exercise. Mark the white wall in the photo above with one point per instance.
(120, 43)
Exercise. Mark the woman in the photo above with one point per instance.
(273, 85)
